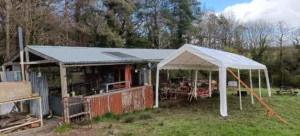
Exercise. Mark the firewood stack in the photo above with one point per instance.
(15, 119)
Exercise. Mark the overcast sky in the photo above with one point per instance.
(271, 10)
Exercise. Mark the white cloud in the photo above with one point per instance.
(271, 10)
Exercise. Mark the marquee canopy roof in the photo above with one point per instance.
(195, 57)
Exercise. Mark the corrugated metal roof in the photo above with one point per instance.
(73, 55)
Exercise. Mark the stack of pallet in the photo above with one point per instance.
(16, 121)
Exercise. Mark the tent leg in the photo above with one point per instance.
(222, 89)
(240, 93)
(209, 82)
(251, 86)
(156, 88)
(268, 82)
(259, 84)
(195, 85)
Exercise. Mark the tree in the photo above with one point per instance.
(258, 34)
(282, 31)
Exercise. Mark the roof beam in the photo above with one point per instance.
(30, 63)
(102, 64)
(41, 55)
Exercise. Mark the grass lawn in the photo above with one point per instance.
(202, 118)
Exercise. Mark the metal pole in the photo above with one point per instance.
(240, 93)
(21, 52)
(195, 90)
(209, 86)
(156, 88)
(251, 86)
(268, 82)
(259, 84)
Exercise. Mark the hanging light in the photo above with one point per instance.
(40, 73)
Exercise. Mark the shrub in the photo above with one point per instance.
(129, 119)
(106, 117)
(161, 123)
(145, 116)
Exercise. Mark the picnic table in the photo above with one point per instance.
(287, 89)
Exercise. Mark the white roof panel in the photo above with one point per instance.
(191, 56)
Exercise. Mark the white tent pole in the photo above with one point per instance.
(251, 85)
(240, 93)
(209, 82)
(268, 82)
(195, 87)
(222, 90)
(259, 84)
(156, 88)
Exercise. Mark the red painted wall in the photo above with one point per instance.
(126, 100)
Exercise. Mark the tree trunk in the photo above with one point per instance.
(281, 61)
(8, 6)
(66, 21)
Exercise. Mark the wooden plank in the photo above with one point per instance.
(20, 99)
(15, 89)
(28, 123)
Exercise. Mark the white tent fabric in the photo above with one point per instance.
(191, 57)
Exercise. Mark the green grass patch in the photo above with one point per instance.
(129, 119)
(63, 128)
(145, 116)
(202, 117)
(106, 117)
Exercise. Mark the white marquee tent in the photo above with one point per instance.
(190, 57)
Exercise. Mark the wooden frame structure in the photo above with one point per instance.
(23, 99)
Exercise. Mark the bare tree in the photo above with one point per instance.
(281, 34)
(258, 36)
(295, 38)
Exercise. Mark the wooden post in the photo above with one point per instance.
(63, 80)
(149, 74)
(22, 65)
(27, 60)
(41, 111)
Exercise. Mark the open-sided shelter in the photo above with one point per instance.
(190, 57)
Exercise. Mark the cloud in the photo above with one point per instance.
(271, 10)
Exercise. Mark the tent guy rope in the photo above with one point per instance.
(269, 110)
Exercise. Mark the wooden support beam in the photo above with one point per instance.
(149, 74)
(269, 110)
(22, 65)
(99, 64)
(63, 80)
(31, 63)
